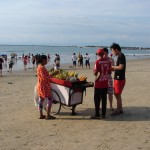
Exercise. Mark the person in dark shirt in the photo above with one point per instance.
(1, 66)
(119, 76)
(81, 61)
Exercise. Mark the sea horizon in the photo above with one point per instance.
(80, 46)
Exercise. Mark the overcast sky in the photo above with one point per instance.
(75, 22)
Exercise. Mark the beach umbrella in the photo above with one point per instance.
(3, 55)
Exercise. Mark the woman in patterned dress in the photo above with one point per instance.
(44, 88)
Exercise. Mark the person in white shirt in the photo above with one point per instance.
(74, 60)
(87, 60)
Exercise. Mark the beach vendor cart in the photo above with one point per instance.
(66, 93)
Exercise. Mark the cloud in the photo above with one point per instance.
(74, 21)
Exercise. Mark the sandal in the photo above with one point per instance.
(121, 111)
(42, 117)
(115, 113)
(50, 117)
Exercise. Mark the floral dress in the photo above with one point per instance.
(43, 85)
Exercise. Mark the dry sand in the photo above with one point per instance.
(20, 128)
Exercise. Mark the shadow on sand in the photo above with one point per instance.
(131, 113)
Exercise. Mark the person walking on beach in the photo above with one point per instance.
(44, 88)
(11, 63)
(101, 69)
(57, 62)
(37, 56)
(119, 76)
(1, 66)
(87, 60)
(74, 60)
(48, 56)
(25, 62)
(33, 61)
(110, 80)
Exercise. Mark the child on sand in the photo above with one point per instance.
(44, 88)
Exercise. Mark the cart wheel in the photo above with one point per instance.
(56, 105)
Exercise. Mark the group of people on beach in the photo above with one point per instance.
(4, 61)
(103, 82)
(78, 60)
(33, 58)
(26, 60)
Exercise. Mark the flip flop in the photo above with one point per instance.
(50, 117)
(115, 113)
(43, 117)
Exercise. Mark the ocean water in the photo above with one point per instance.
(65, 53)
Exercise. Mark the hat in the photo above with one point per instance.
(100, 51)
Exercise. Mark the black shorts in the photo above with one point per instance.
(10, 65)
(87, 62)
(33, 62)
(74, 63)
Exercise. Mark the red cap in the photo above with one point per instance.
(100, 51)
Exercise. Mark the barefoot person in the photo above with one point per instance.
(74, 60)
(25, 62)
(101, 69)
(11, 63)
(44, 88)
(119, 77)
(33, 61)
(87, 60)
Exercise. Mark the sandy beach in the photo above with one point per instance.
(20, 128)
